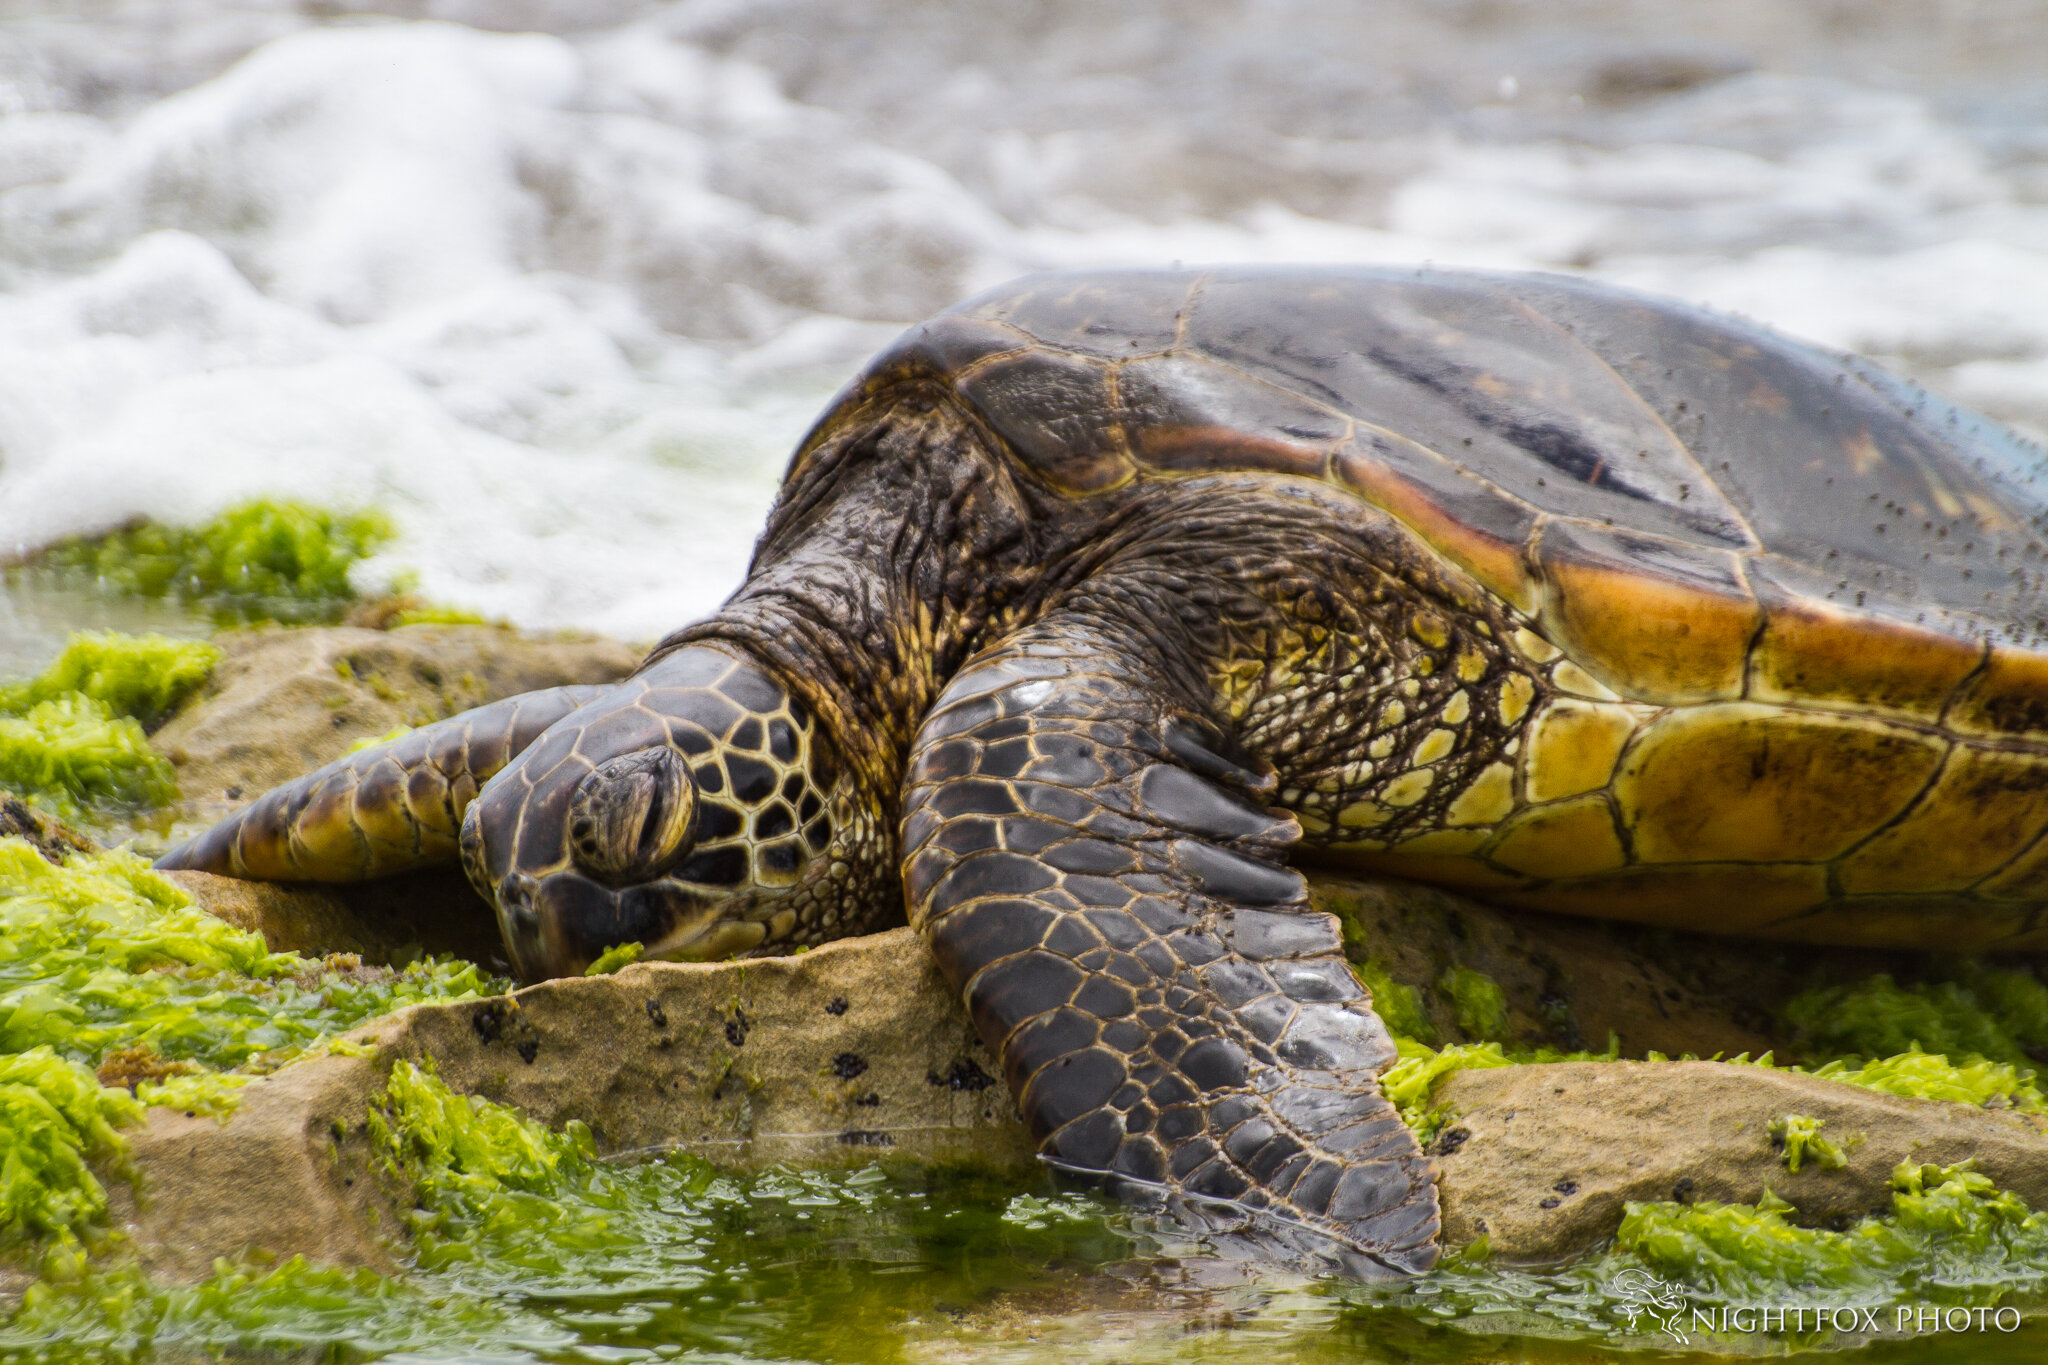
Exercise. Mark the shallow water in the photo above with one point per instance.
(561, 300)
(670, 1259)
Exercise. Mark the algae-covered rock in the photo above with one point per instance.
(283, 702)
(861, 1048)
(856, 1050)
(1473, 973)
(1542, 1159)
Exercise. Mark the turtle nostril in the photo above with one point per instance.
(515, 901)
(632, 816)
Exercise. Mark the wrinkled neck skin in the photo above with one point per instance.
(896, 550)
(740, 794)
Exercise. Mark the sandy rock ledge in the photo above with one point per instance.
(836, 1056)
(1543, 1158)
(860, 1049)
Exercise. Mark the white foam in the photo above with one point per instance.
(562, 304)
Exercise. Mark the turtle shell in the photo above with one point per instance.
(1692, 507)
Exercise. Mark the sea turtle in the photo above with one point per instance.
(1096, 600)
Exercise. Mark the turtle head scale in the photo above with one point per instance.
(631, 816)
(698, 809)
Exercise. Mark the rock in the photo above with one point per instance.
(291, 1172)
(284, 702)
(292, 919)
(385, 922)
(856, 1047)
(835, 1056)
(49, 836)
(1571, 983)
(1542, 1158)
(860, 1048)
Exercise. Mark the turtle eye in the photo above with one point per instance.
(631, 816)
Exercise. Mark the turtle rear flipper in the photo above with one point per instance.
(390, 808)
(1172, 1016)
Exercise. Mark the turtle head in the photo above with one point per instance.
(697, 809)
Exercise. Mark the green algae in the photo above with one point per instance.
(1949, 1238)
(1931, 1076)
(142, 676)
(521, 1244)
(1396, 1003)
(55, 1120)
(1797, 1138)
(103, 962)
(1410, 1083)
(260, 561)
(617, 956)
(103, 953)
(73, 738)
(75, 756)
(439, 616)
(1952, 1236)
(1977, 1012)
(1478, 1005)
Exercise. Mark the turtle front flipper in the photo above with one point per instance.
(1090, 869)
(390, 808)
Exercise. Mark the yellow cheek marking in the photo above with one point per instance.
(1380, 747)
(1573, 746)
(1515, 695)
(1456, 709)
(1489, 799)
(1393, 714)
(1471, 665)
(1429, 630)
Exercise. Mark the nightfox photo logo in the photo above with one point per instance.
(1661, 1302)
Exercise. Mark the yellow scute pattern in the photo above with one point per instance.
(1751, 783)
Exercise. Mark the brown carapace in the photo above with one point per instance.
(1096, 602)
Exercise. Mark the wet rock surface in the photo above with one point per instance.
(855, 1050)
(1542, 1158)
(284, 702)
(860, 1049)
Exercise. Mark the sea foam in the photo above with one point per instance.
(561, 303)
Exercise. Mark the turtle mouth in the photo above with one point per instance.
(559, 924)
